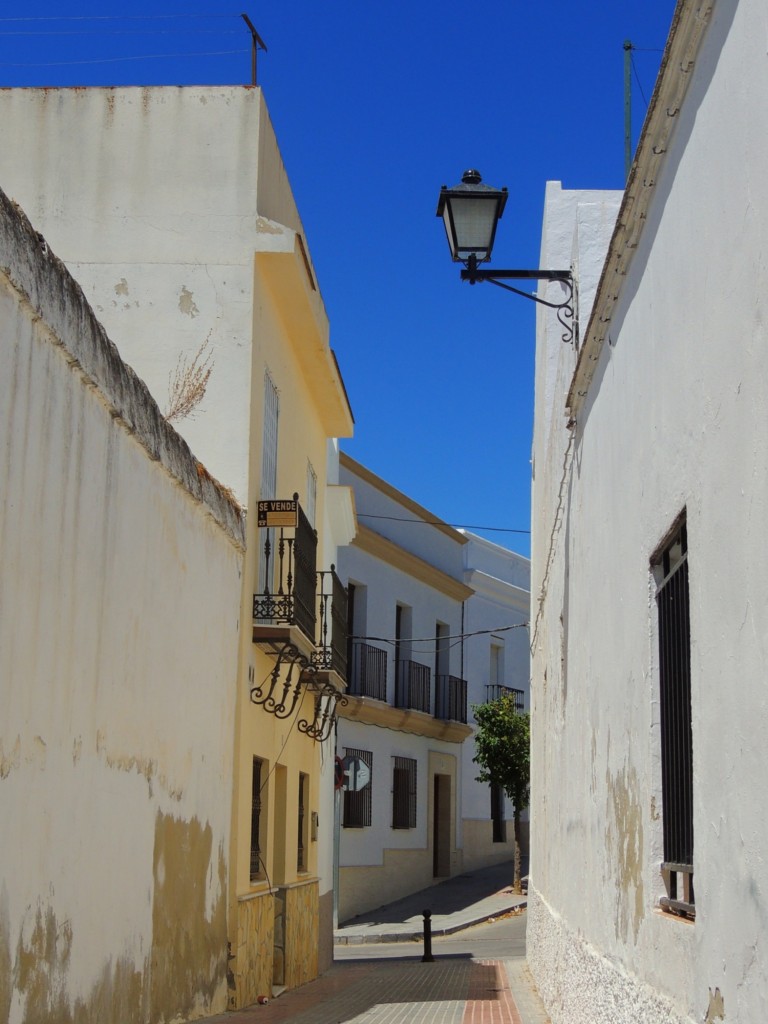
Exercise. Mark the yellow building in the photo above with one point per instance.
(172, 208)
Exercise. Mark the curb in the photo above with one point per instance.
(360, 939)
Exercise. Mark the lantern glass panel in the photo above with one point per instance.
(474, 221)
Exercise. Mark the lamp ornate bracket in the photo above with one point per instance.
(565, 309)
(281, 691)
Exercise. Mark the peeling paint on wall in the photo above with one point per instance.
(40, 974)
(189, 948)
(625, 849)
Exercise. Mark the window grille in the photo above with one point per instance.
(256, 866)
(403, 792)
(358, 807)
(673, 605)
(301, 856)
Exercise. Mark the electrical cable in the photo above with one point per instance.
(117, 60)
(431, 639)
(439, 522)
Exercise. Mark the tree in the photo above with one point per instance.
(503, 751)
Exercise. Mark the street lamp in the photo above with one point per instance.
(471, 212)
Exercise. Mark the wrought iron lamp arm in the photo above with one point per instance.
(565, 314)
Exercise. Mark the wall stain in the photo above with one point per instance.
(189, 949)
(40, 975)
(121, 288)
(144, 766)
(10, 762)
(187, 303)
(625, 849)
(716, 1008)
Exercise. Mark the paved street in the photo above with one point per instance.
(479, 974)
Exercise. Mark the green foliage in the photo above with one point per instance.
(503, 748)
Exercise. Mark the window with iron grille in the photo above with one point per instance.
(672, 601)
(358, 806)
(403, 792)
(301, 853)
(257, 868)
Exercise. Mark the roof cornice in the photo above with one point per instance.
(689, 24)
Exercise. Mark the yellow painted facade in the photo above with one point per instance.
(274, 902)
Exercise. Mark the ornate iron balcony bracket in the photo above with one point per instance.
(327, 701)
(277, 702)
(280, 696)
(565, 309)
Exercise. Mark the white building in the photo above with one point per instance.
(437, 623)
(647, 896)
(173, 209)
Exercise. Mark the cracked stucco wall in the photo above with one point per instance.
(119, 598)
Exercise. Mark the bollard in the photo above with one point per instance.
(427, 958)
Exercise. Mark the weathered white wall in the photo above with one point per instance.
(120, 593)
(157, 199)
(675, 418)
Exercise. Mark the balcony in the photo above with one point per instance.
(368, 672)
(289, 571)
(412, 685)
(331, 647)
(451, 699)
(494, 692)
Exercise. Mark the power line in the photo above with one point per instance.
(115, 60)
(431, 639)
(439, 522)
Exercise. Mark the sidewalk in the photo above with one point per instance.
(454, 989)
(457, 903)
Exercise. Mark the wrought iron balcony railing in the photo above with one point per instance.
(412, 685)
(331, 652)
(368, 671)
(493, 692)
(290, 572)
(451, 699)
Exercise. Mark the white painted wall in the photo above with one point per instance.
(120, 598)
(674, 418)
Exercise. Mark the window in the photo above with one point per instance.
(403, 792)
(257, 871)
(268, 487)
(358, 806)
(671, 571)
(311, 493)
(301, 853)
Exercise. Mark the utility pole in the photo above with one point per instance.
(257, 43)
(627, 108)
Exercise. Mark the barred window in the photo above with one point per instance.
(256, 864)
(358, 806)
(301, 853)
(671, 571)
(403, 792)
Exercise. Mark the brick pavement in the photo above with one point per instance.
(453, 990)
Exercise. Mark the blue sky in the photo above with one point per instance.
(375, 106)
